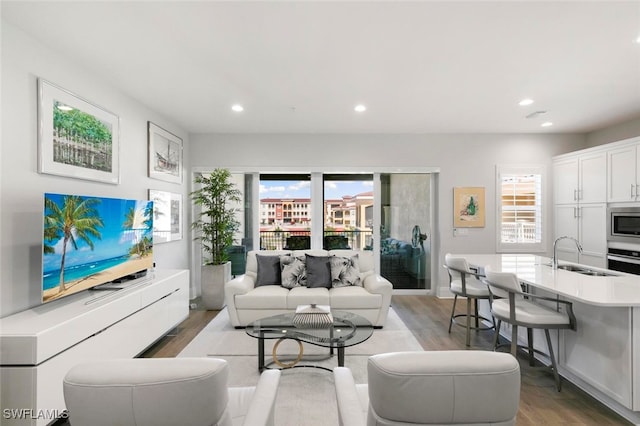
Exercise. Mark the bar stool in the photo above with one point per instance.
(509, 303)
(466, 283)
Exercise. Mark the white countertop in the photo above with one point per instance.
(622, 290)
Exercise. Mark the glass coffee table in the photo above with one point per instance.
(347, 329)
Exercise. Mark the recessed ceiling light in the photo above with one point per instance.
(525, 102)
(547, 124)
(360, 108)
(237, 108)
(638, 40)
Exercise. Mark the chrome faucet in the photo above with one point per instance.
(554, 261)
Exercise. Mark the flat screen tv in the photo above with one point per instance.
(88, 241)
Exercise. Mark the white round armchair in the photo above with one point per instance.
(165, 391)
(431, 387)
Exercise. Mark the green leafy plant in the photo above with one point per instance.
(216, 221)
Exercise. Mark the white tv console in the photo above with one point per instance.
(38, 346)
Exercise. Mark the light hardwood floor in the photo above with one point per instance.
(428, 318)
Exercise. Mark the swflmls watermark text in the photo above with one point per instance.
(33, 414)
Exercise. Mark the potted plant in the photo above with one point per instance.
(216, 223)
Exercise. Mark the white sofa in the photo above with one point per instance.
(247, 303)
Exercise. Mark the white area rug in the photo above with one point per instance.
(306, 396)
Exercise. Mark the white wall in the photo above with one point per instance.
(464, 160)
(22, 188)
(621, 131)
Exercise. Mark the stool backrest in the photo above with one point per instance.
(459, 263)
(502, 283)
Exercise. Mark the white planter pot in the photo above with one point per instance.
(212, 280)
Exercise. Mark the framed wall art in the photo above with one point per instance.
(167, 216)
(165, 155)
(76, 138)
(468, 207)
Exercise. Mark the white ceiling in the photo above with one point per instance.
(301, 66)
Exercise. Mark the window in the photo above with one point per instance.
(281, 196)
(520, 208)
(347, 198)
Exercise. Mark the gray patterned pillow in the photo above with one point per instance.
(294, 272)
(345, 271)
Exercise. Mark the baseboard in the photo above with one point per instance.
(630, 415)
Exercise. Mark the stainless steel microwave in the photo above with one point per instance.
(623, 224)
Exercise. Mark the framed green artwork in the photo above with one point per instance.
(76, 138)
(468, 207)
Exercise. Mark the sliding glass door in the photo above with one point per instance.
(405, 229)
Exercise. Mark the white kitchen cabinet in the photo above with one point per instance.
(592, 232)
(580, 178)
(592, 178)
(580, 192)
(622, 180)
(565, 181)
(585, 223)
(600, 351)
(566, 224)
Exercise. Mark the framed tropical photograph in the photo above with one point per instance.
(167, 216)
(76, 138)
(468, 207)
(165, 155)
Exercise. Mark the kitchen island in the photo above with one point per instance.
(603, 355)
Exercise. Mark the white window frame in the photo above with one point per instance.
(538, 247)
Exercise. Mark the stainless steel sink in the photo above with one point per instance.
(597, 273)
(585, 271)
(572, 268)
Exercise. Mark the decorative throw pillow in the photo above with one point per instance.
(345, 271)
(294, 271)
(318, 271)
(268, 270)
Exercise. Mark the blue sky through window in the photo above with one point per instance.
(302, 189)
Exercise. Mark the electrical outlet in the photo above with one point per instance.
(460, 232)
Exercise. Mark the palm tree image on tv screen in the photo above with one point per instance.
(88, 241)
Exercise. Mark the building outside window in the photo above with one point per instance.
(347, 198)
(286, 199)
(520, 208)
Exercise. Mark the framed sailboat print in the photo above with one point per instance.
(165, 154)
